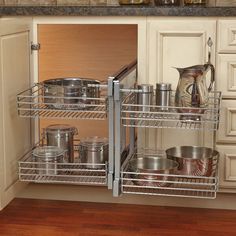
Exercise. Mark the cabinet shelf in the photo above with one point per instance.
(33, 103)
(175, 186)
(66, 173)
(133, 114)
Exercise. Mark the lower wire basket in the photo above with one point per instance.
(61, 173)
(168, 184)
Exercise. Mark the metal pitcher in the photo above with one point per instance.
(192, 91)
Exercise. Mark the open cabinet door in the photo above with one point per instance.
(15, 134)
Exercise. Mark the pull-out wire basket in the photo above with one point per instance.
(152, 116)
(33, 103)
(168, 185)
(75, 173)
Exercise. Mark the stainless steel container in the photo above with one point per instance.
(70, 93)
(47, 159)
(93, 151)
(167, 2)
(163, 96)
(147, 166)
(145, 97)
(194, 161)
(62, 135)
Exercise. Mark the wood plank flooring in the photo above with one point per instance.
(26, 217)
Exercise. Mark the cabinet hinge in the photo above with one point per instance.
(35, 46)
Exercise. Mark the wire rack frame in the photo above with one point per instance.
(75, 173)
(33, 103)
(169, 184)
(136, 115)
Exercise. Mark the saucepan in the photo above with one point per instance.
(194, 160)
(71, 93)
(147, 167)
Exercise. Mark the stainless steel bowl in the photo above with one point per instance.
(193, 160)
(71, 93)
(145, 167)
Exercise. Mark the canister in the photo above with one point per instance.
(93, 151)
(163, 96)
(145, 97)
(47, 159)
(62, 135)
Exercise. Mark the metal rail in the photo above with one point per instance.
(132, 114)
(33, 103)
(169, 185)
(76, 173)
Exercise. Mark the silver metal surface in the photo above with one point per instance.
(175, 186)
(145, 97)
(62, 136)
(93, 150)
(61, 91)
(31, 103)
(47, 159)
(152, 165)
(154, 118)
(76, 173)
(163, 96)
(193, 160)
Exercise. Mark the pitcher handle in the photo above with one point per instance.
(212, 68)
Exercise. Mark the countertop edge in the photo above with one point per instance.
(115, 11)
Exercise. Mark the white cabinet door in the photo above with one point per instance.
(226, 39)
(227, 127)
(14, 77)
(177, 42)
(227, 167)
(226, 75)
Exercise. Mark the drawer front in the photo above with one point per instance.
(227, 127)
(227, 166)
(226, 75)
(226, 36)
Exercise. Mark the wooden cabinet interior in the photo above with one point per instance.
(90, 51)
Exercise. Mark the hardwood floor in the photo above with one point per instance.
(25, 217)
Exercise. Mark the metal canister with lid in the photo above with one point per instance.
(93, 151)
(47, 159)
(62, 135)
(163, 96)
(145, 97)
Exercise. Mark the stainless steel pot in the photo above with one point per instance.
(47, 159)
(62, 135)
(194, 161)
(70, 93)
(147, 166)
(93, 151)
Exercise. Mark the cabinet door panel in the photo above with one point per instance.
(15, 131)
(227, 166)
(226, 75)
(227, 128)
(177, 43)
(226, 36)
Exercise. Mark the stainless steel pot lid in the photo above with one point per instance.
(48, 152)
(94, 141)
(61, 129)
(70, 82)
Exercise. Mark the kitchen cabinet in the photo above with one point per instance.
(15, 133)
(226, 77)
(177, 43)
(156, 51)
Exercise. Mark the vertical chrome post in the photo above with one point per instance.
(116, 186)
(111, 132)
